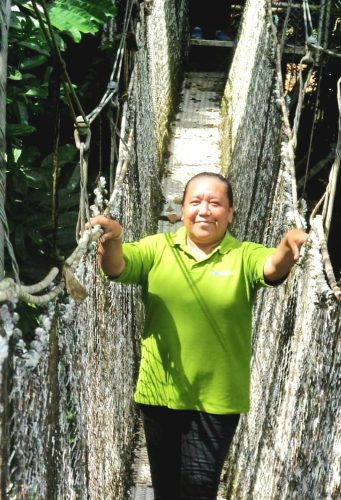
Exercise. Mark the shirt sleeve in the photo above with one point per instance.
(255, 257)
(139, 258)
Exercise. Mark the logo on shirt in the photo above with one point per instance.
(222, 273)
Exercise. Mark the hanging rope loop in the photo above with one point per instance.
(82, 135)
(112, 85)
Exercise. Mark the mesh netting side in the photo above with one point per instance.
(283, 446)
(165, 53)
(249, 110)
(72, 420)
(112, 315)
(295, 28)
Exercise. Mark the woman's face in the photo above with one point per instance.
(206, 211)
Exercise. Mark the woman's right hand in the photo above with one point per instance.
(112, 230)
(110, 245)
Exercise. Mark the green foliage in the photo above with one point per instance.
(80, 16)
(33, 82)
(29, 208)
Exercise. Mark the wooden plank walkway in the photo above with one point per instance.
(194, 143)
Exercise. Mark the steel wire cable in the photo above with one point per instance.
(114, 76)
(312, 128)
(51, 40)
(284, 29)
(3, 218)
(334, 173)
(307, 19)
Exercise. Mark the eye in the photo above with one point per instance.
(194, 202)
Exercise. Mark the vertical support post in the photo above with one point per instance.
(5, 11)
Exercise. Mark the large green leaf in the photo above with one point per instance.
(41, 92)
(66, 154)
(17, 129)
(33, 62)
(14, 74)
(80, 16)
(35, 45)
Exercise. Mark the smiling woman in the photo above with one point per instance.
(206, 212)
(199, 285)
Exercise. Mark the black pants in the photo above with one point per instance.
(186, 451)
(210, 16)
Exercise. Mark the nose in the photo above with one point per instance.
(204, 208)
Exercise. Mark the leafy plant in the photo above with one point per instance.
(34, 99)
(80, 16)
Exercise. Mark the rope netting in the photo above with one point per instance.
(288, 445)
(70, 426)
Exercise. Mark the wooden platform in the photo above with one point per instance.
(300, 50)
(212, 43)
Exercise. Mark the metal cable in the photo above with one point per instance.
(284, 29)
(303, 86)
(334, 173)
(9, 246)
(328, 267)
(321, 24)
(5, 10)
(51, 41)
(307, 19)
(114, 77)
(327, 22)
(312, 129)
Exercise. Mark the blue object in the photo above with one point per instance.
(222, 36)
(196, 33)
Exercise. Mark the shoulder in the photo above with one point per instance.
(255, 255)
(248, 251)
(230, 243)
(249, 246)
(152, 242)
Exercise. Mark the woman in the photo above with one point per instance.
(199, 285)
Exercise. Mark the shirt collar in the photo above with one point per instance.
(228, 242)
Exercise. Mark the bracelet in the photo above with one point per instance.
(119, 236)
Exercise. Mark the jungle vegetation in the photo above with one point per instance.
(42, 196)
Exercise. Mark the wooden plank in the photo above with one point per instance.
(300, 50)
(212, 43)
(217, 43)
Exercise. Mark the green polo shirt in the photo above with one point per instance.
(196, 345)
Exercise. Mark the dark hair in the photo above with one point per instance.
(221, 178)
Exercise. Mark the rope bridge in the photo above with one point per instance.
(67, 422)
